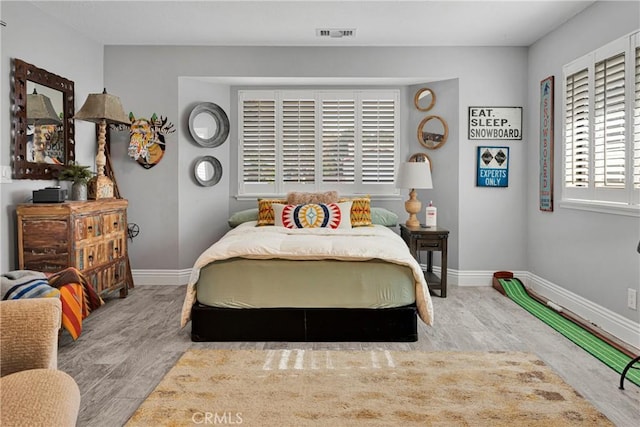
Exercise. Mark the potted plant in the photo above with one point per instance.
(80, 175)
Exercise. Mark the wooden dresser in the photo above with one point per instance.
(90, 236)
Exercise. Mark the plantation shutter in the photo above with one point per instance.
(298, 141)
(636, 114)
(609, 123)
(338, 140)
(577, 130)
(258, 144)
(378, 141)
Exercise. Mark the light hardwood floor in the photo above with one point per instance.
(128, 345)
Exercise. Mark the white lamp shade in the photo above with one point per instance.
(414, 175)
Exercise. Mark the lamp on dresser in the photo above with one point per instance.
(40, 112)
(102, 108)
(414, 175)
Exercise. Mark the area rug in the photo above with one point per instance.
(363, 388)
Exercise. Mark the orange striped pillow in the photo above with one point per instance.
(360, 211)
(265, 211)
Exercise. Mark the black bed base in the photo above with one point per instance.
(303, 324)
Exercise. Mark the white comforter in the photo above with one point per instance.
(361, 243)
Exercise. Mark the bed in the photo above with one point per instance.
(274, 283)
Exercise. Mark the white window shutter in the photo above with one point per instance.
(609, 123)
(577, 130)
(258, 142)
(338, 140)
(298, 141)
(378, 141)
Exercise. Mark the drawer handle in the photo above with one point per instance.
(90, 258)
(90, 228)
(115, 224)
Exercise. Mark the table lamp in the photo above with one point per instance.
(414, 175)
(40, 112)
(101, 108)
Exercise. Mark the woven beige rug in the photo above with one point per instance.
(363, 388)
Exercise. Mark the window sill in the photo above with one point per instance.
(601, 207)
(374, 197)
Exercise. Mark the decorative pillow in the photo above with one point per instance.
(360, 211)
(243, 216)
(312, 215)
(265, 211)
(384, 217)
(298, 198)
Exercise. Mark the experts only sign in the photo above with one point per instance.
(502, 123)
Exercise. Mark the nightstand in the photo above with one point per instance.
(429, 239)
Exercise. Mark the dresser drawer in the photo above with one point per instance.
(45, 234)
(113, 222)
(46, 262)
(108, 278)
(429, 245)
(116, 248)
(88, 227)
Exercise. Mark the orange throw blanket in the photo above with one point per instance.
(77, 296)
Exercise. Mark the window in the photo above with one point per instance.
(601, 130)
(305, 140)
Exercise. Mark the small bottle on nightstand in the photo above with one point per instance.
(431, 215)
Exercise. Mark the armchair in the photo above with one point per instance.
(33, 392)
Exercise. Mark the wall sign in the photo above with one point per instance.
(493, 167)
(546, 144)
(504, 123)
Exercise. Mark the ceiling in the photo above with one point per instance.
(294, 23)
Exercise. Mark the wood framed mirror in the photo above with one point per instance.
(425, 99)
(433, 132)
(421, 157)
(42, 145)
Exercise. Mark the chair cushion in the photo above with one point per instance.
(39, 397)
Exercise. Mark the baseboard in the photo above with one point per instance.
(605, 319)
(161, 277)
(618, 326)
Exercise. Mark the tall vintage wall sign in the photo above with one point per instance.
(546, 144)
(502, 123)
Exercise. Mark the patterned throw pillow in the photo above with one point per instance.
(312, 215)
(265, 210)
(360, 211)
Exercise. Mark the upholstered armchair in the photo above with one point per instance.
(33, 392)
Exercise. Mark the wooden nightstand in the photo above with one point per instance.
(429, 239)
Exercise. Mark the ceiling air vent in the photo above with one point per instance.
(336, 33)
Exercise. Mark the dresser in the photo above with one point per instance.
(90, 236)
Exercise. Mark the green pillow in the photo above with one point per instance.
(243, 216)
(382, 216)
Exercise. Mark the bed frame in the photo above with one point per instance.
(304, 324)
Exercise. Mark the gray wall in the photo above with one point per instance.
(590, 254)
(148, 79)
(68, 54)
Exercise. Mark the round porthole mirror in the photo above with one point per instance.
(433, 132)
(208, 124)
(421, 157)
(425, 99)
(207, 171)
